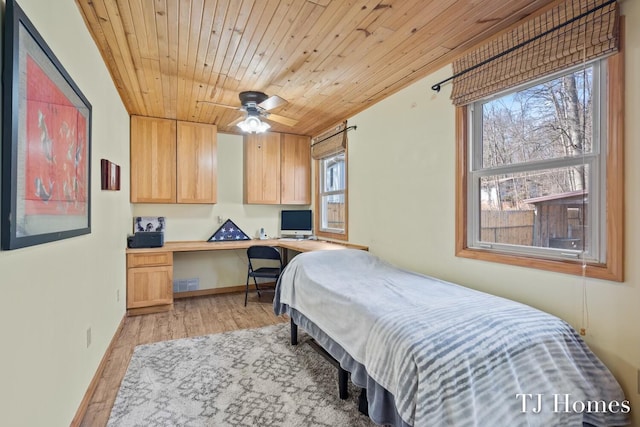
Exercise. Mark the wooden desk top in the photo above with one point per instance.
(296, 245)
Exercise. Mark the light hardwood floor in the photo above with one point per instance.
(190, 317)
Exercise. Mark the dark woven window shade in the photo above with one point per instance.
(577, 39)
(329, 142)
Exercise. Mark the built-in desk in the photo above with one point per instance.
(150, 270)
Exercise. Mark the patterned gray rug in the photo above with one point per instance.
(242, 378)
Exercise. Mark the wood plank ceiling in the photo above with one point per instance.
(330, 59)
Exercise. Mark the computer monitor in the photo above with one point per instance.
(296, 223)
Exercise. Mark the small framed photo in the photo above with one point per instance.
(109, 176)
(142, 224)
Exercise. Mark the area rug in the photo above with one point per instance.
(250, 377)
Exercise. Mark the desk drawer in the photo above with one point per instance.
(149, 259)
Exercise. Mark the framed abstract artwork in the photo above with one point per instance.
(46, 142)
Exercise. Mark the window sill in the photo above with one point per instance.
(336, 236)
(596, 271)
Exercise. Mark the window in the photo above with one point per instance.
(535, 168)
(539, 181)
(331, 200)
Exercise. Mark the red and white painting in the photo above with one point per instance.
(56, 157)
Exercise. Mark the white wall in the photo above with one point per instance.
(52, 293)
(401, 204)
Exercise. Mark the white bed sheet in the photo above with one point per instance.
(449, 355)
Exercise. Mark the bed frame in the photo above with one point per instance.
(343, 374)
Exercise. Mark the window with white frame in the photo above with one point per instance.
(540, 160)
(537, 166)
(332, 189)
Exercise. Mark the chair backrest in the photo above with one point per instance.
(263, 252)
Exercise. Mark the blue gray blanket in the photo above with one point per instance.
(448, 354)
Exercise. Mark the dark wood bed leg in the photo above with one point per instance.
(294, 333)
(363, 403)
(343, 374)
(343, 378)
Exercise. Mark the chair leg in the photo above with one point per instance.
(246, 292)
(257, 288)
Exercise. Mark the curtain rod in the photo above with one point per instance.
(337, 133)
(436, 86)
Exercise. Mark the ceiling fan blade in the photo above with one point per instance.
(272, 102)
(281, 119)
(220, 105)
(236, 121)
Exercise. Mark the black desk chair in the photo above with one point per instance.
(271, 256)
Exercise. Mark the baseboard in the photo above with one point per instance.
(150, 309)
(217, 291)
(212, 291)
(84, 404)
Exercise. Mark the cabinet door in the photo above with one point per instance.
(262, 168)
(149, 286)
(153, 160)
(295, 170)
(197, 163)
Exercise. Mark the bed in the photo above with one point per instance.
(429, 352)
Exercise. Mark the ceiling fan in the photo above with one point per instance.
(256, 105)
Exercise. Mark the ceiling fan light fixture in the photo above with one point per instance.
(253, 124)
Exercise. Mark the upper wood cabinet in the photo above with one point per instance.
(173, 162)
(153, 160)
(295, 170)
(262, 168)
(277, 169)
(197, 180)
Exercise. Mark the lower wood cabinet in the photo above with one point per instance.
(149, 282)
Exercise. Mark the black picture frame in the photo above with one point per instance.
(46, 142)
